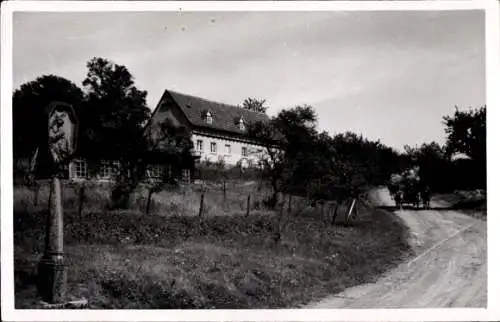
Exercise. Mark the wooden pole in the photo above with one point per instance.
(37, 189)
(248, 205)
(289, 204)
(224, 189)
(201, 204)
(277, 234)
(335, 213)
(81, 199)
(148, 205)
(350, 210)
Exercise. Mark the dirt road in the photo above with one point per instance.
(449, 269)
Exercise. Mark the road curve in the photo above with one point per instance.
(448, 271)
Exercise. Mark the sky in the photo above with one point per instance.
(387, 75)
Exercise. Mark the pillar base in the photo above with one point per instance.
(79, 304)
(52, 280)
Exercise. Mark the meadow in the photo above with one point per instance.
(228, 257)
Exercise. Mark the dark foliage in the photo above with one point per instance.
(254, 104)
(314, 164)
(29, 124)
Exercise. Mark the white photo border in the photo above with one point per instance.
(492, 313)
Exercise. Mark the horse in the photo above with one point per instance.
(426, 198)
(398, 198)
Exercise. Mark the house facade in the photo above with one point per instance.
(218, 131)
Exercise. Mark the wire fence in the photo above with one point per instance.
(196, 199)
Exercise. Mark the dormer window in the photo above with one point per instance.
(241, 124)
(208, 118)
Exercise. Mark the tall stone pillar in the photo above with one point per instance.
(51, 269)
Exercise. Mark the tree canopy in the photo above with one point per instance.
(466, 133)
(255, 104)
(115, 111)
(29, 124)
(314, 163)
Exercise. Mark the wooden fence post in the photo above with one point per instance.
(335, 212)
(148, 205)
(81, 197)
(277, 233)
(37, 189)
(350, 210)
(201, 204)
(248, 205)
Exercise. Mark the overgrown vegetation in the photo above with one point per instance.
(131, 260)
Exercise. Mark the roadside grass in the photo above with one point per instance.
(472, 202)
(125, 259)
(182, 201)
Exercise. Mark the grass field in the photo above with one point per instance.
(224, 259)
(472, 203)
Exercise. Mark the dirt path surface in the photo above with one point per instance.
(449, 269)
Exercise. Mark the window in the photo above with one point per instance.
(106, 169)
(155, 171)
(186, 175)
(213, 147)
(242, 124)
(228, 149)
(259, 151)
(244, 151)
(209, 118)
(199, 145)
(79, 169)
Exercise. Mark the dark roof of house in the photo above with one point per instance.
(225, 117)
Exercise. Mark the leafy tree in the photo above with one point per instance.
(167, 143)
(113, 120)
(115, 111)
(315, 164)
(272, 161)
(29, 124)
(254, 104)
(360, 164)
(466, 133)
(297, 127)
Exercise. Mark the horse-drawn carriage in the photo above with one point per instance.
(407, 189)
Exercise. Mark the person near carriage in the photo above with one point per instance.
(426, 196)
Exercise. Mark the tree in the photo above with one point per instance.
(115, 111)
(254, 104)
(466, 133)
(297, 126)
(29, 101)
(272, 160)
(113, 120)
(314, 164)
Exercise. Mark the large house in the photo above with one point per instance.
(218, 131)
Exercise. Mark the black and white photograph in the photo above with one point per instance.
(201, 159)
